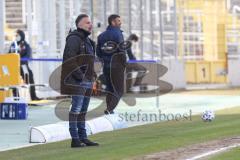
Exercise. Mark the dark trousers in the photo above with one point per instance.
(115, 81)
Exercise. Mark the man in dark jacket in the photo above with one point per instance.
(114, 63)
(77, 78)
(21, 47)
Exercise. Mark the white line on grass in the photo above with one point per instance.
(214, 152)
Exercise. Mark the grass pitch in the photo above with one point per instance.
(137, 141)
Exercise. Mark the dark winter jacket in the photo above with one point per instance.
(78, 61)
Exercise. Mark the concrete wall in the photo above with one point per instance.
(234, 72)
(175, 74)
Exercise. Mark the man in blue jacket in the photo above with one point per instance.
(114, 63)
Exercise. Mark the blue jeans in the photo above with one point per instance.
(78, 112)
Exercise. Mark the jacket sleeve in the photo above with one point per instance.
(118, 37)
(130, 54)
(28, 52)
(100, 53)
(12, 48)
(93, 43)
(98, 49)
(71, 50)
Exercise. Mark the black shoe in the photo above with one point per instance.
(108, 112)
(87, 142)
(76, 143)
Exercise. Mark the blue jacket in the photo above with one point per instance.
(22, 48)
(111, 34)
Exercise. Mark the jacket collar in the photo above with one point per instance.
(79, 32)
(83, 32)
(113, 28)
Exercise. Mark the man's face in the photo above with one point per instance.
(117, 22)
(85, 24)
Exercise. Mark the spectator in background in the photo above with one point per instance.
(21, 47)
(134, 66)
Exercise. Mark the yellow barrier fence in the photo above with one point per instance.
(9, 73)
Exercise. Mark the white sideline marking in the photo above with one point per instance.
(214, 152)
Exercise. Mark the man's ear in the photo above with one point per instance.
(113, 23)
(79, 25)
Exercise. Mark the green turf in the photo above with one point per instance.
(230, 111)
(134, 142)
(233, 154)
